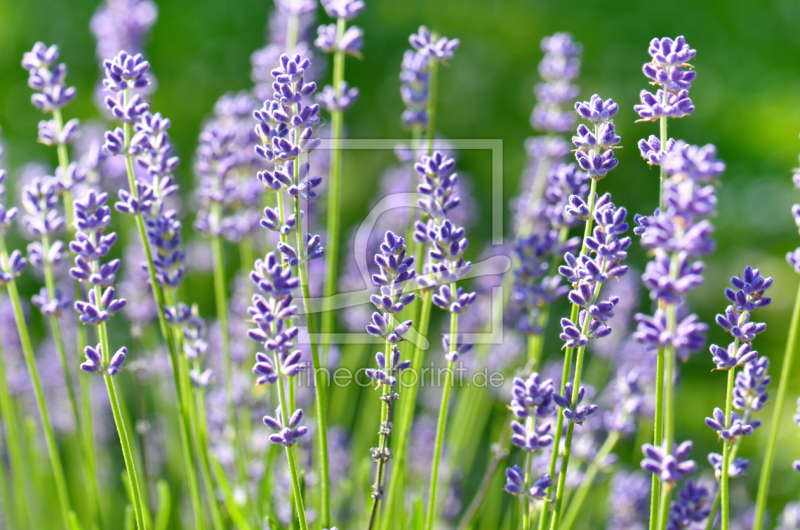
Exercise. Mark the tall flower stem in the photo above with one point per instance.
(567, 367)
(122, 430)
(57, 337)
(49, 434)
(221, 301)
(383, 435)
(669, 418)
(297, 493)
(780, 400)
(658, 435)
(320, 402)
(334, 193)
(407, 414)
(86, 423)
(441, 424)
(576, 385)
(158, 295)
(576, 505)
(15, 455)
(526, 502)
(726, 451)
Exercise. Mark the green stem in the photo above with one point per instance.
(780, 401)
(663, 174)
(441, 424)
(576, 505)
(221, 300)
(383, 437)
(726, 449)
(526, 502)
(122, 430)
(158, 295)
(49, 433)
(658, 436)
(319, 379)
(669, 416)
(297, 493)
(407, 413)
(15, 455)
(85, 425)
(334, 194)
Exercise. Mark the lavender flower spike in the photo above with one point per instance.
(669, 468)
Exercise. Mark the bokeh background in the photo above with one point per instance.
(747, 98)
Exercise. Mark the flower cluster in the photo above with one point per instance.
(396, 269)
(558, 68)
(48, 79)
(122, 25)
(13, 265)
(595, 148)
(91, 244)
(351, 40)
(669, 467)
(285, 127)
(750, 386)
(272, 312)
(677, 235)
(414, 79)
(42, 219)
(534, 289)
(516, 485)
(669, 69)
(532, 399)
(587, 273)
(439, 49)
(691, 508)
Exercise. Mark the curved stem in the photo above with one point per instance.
(576, 505)
(441, 423)
(780, 400)
(726, 450)
(49, 434)
(658, 435)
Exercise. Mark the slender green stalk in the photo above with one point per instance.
(320, 389)
(381, 457)
(122, 430)
(726, 452)
(49, 434)
(587, 231)
(441, 424)
(407, 413)
(780, 400)
(85, 425)
(15, 455)
(658, 435)
(158, 295)
(221, 301)
(576, 506)
(526, 502)
(297, 493)
(57, 338)
(334, 193)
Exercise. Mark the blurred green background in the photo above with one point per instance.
(747, 98)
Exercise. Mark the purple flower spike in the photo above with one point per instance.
(94, 360)
(730, 357)
(651, 149)
(515, 483)
(440, 49)
(385, 374)
(346, 9)
(334, 100)
(289, 433)
(669, 468)
(692, 506)
(735, 469)
(739, 325)
(730, 430)
(572, 410)
(532, 397)
(750, 289)
(529, 438)
(125, 71)
(597, 110)
(750, 386)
